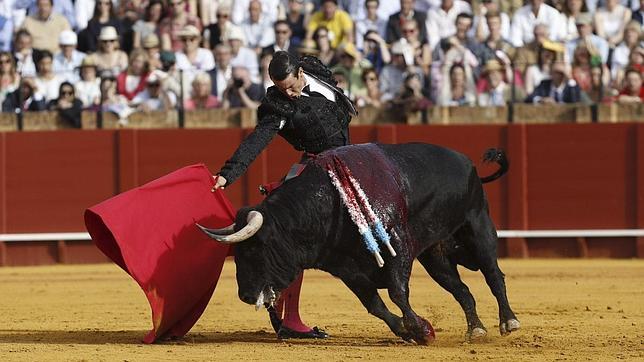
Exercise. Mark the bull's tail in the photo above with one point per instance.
(498, 156)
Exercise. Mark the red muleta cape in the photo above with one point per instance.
(150, 232)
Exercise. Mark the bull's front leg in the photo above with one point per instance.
(420, 329)
(367, 292)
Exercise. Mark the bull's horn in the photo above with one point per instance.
(230, 229)
(254, 222)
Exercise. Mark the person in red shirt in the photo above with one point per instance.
(633, 92)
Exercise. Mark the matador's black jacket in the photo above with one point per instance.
(310, 124)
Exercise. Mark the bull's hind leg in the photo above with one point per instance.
(444, 272)
(479, 234)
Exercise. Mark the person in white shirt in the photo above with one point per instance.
(154, 97)
(47, 81)
(23, 52)
(88, 87)
(610, 21)
(536, 12)
(480, 30)
(222, 74)
(240, 10)
(371, 21)
(496, 89)
(68, 59)
(258, 29)
(192, 57)
(621, 55)
(441, 22)
(243, 56)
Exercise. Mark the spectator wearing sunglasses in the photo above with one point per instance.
(109, 56)
(373, 96)
(171, 27)
(9, 77)
(193, 58)
(69, 107)
(215, 33)
(283, 39)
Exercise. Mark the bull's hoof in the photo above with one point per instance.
(509, 326)
(475, 334)
(427, 334)
(315, 333)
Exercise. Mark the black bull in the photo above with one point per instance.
(304, 225)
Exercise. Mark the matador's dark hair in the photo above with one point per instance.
(283, 64)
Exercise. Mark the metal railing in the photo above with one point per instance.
(570, 233)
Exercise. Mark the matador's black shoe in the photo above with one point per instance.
(287, 333)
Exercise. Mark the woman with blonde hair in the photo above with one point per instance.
(132, 81)
(200, 96)
(9, 77)
(611, 20)
(584, 58)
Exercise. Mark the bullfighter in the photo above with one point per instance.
(310, 112)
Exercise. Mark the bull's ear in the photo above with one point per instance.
(254, 223)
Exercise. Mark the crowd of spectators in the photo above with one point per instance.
(127, 56)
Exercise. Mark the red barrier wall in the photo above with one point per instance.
(561, 177)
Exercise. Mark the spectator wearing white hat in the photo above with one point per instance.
(242, 56)
(192, 57)
(68, 59)
(171, 26)
(103, 15)
(109, 56)
(45, 26)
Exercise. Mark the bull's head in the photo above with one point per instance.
(264, 267)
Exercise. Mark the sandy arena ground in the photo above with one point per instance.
(569, 309)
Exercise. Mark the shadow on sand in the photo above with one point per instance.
(134, 337)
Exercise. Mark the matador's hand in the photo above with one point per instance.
(220, 182)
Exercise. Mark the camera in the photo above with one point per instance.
(238, 83)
